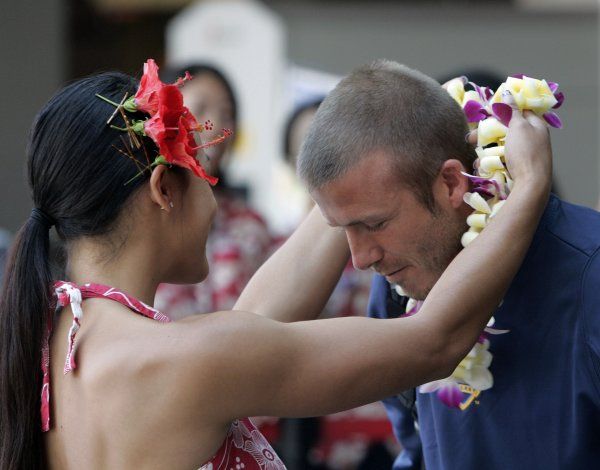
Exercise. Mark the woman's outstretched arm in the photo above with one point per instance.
(257, 366)
(296, 281)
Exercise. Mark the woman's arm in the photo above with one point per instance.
(296, 281)
(248, 365)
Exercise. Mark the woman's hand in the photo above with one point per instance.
(528, 152)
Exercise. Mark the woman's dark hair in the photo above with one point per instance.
(77, 176)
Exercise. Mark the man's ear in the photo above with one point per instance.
(161, 188)
(454, 183)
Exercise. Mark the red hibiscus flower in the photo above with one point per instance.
(172, 129)
(146, 98)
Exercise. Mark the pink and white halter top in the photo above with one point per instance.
(244, 448)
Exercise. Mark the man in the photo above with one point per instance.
(383, 160)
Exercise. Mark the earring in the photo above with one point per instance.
(171, 204)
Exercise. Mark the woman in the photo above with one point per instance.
(138, 393)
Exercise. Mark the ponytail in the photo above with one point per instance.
(25, 301)
(76, 172)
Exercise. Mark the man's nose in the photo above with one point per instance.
(364, 249)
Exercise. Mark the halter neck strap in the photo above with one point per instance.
(68, 293)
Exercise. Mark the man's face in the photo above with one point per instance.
(388, 229)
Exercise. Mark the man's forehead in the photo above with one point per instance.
(364, 192)
(364, 207)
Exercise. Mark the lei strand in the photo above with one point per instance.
(491, 183)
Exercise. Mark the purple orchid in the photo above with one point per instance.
(475, 111)
(553, 120)
(485, 93)
(560, 97)
(450, 395)
(502, 112)
(447, 391)
(486, 187)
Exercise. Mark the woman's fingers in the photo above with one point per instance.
(535, 120)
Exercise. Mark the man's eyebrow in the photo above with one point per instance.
(332, 225)
(365, 221)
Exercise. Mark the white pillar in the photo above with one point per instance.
(246, 41)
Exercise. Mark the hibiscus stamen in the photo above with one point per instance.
(217, 140)
(181, 80)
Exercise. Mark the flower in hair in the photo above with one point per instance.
(171, 125)
(172, 129)
(146, 97)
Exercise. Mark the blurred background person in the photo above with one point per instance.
(239, 240)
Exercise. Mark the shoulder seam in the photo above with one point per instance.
(589, 255)
(595, 365)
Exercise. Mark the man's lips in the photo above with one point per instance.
(393, 273)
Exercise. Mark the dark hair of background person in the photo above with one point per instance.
(481, 77)
(197, 69)
(289, 128)
(77, 177)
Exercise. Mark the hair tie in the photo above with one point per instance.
(40, 216)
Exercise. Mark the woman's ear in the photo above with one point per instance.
(161, 188)
(455, 183)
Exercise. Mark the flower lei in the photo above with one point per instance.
(171, 125)
(490, 114)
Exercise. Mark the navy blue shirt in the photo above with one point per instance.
(543, 411)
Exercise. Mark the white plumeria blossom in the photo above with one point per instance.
(498, 150)
(490, 131)
(477, 202)
(471, 95)
(473, 369)
(456, 89)
(477, 220)
(528, 93)
(490, 164)
(400, 291)
(468, 237)
(499, 177)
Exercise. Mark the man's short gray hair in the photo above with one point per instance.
(386, 107)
